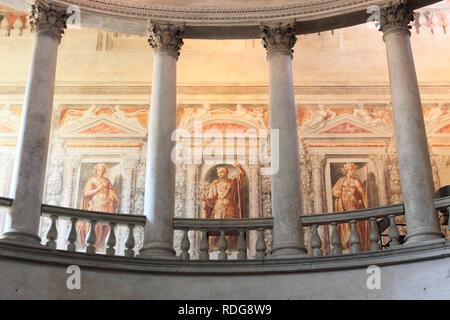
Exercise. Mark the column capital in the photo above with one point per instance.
(379, 160)
(395, 15)
(278, 38)
(318, 160)
(48, 20)
(166, 37)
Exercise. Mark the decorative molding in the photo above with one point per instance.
(381, 90)
(92, 123)
(223, 14)
(346, 145)
(102, 145)
(327, 123)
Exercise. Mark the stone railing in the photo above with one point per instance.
(374, 221)
(380, 222)
(93, 219)
(222, 229)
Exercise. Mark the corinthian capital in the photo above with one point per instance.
(48, 20)
(318, 161)
(166, 37)
(395, 15)
(278, 38)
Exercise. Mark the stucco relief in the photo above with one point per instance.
(249, 116)
(346, 119)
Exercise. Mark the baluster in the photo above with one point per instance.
(355, 240)
(72, 235)
(52, 233)
(185, 245)
(111, 242)
(222, 246)
(335, 240)
(242, 245)
(316, 242)
(393, 233)
(374, 235)
(91, 238)
(204, 245)
(129, 252)
(261, 246)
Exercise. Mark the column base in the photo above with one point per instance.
(157, 250)
(423, 237)
(21, 237)
(287, 250)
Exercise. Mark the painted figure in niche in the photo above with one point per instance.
(349, 194)
(98, 195)
(224, 200)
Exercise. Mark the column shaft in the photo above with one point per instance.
(286, 204)
(160, 171)
(412, 147)
(33, 140)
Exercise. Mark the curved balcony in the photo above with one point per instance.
(107, 275)
(289, 257)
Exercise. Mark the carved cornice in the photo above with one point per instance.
(166, 38)
(222, 20)
(45, 19)
(395, 15)
(278, 38)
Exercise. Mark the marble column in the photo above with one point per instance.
(381, 163)
(28, 178)
(286, 204)
(412, 147)
(166, 40)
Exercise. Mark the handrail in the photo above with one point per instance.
(364, 214)
(6, 202)
(92, 215)
(442, 202)
(225, 224)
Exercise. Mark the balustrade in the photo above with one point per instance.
(94, 219)
(374, 239)
(223, 229)
(383, 232)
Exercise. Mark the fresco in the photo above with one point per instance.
(349, 193)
